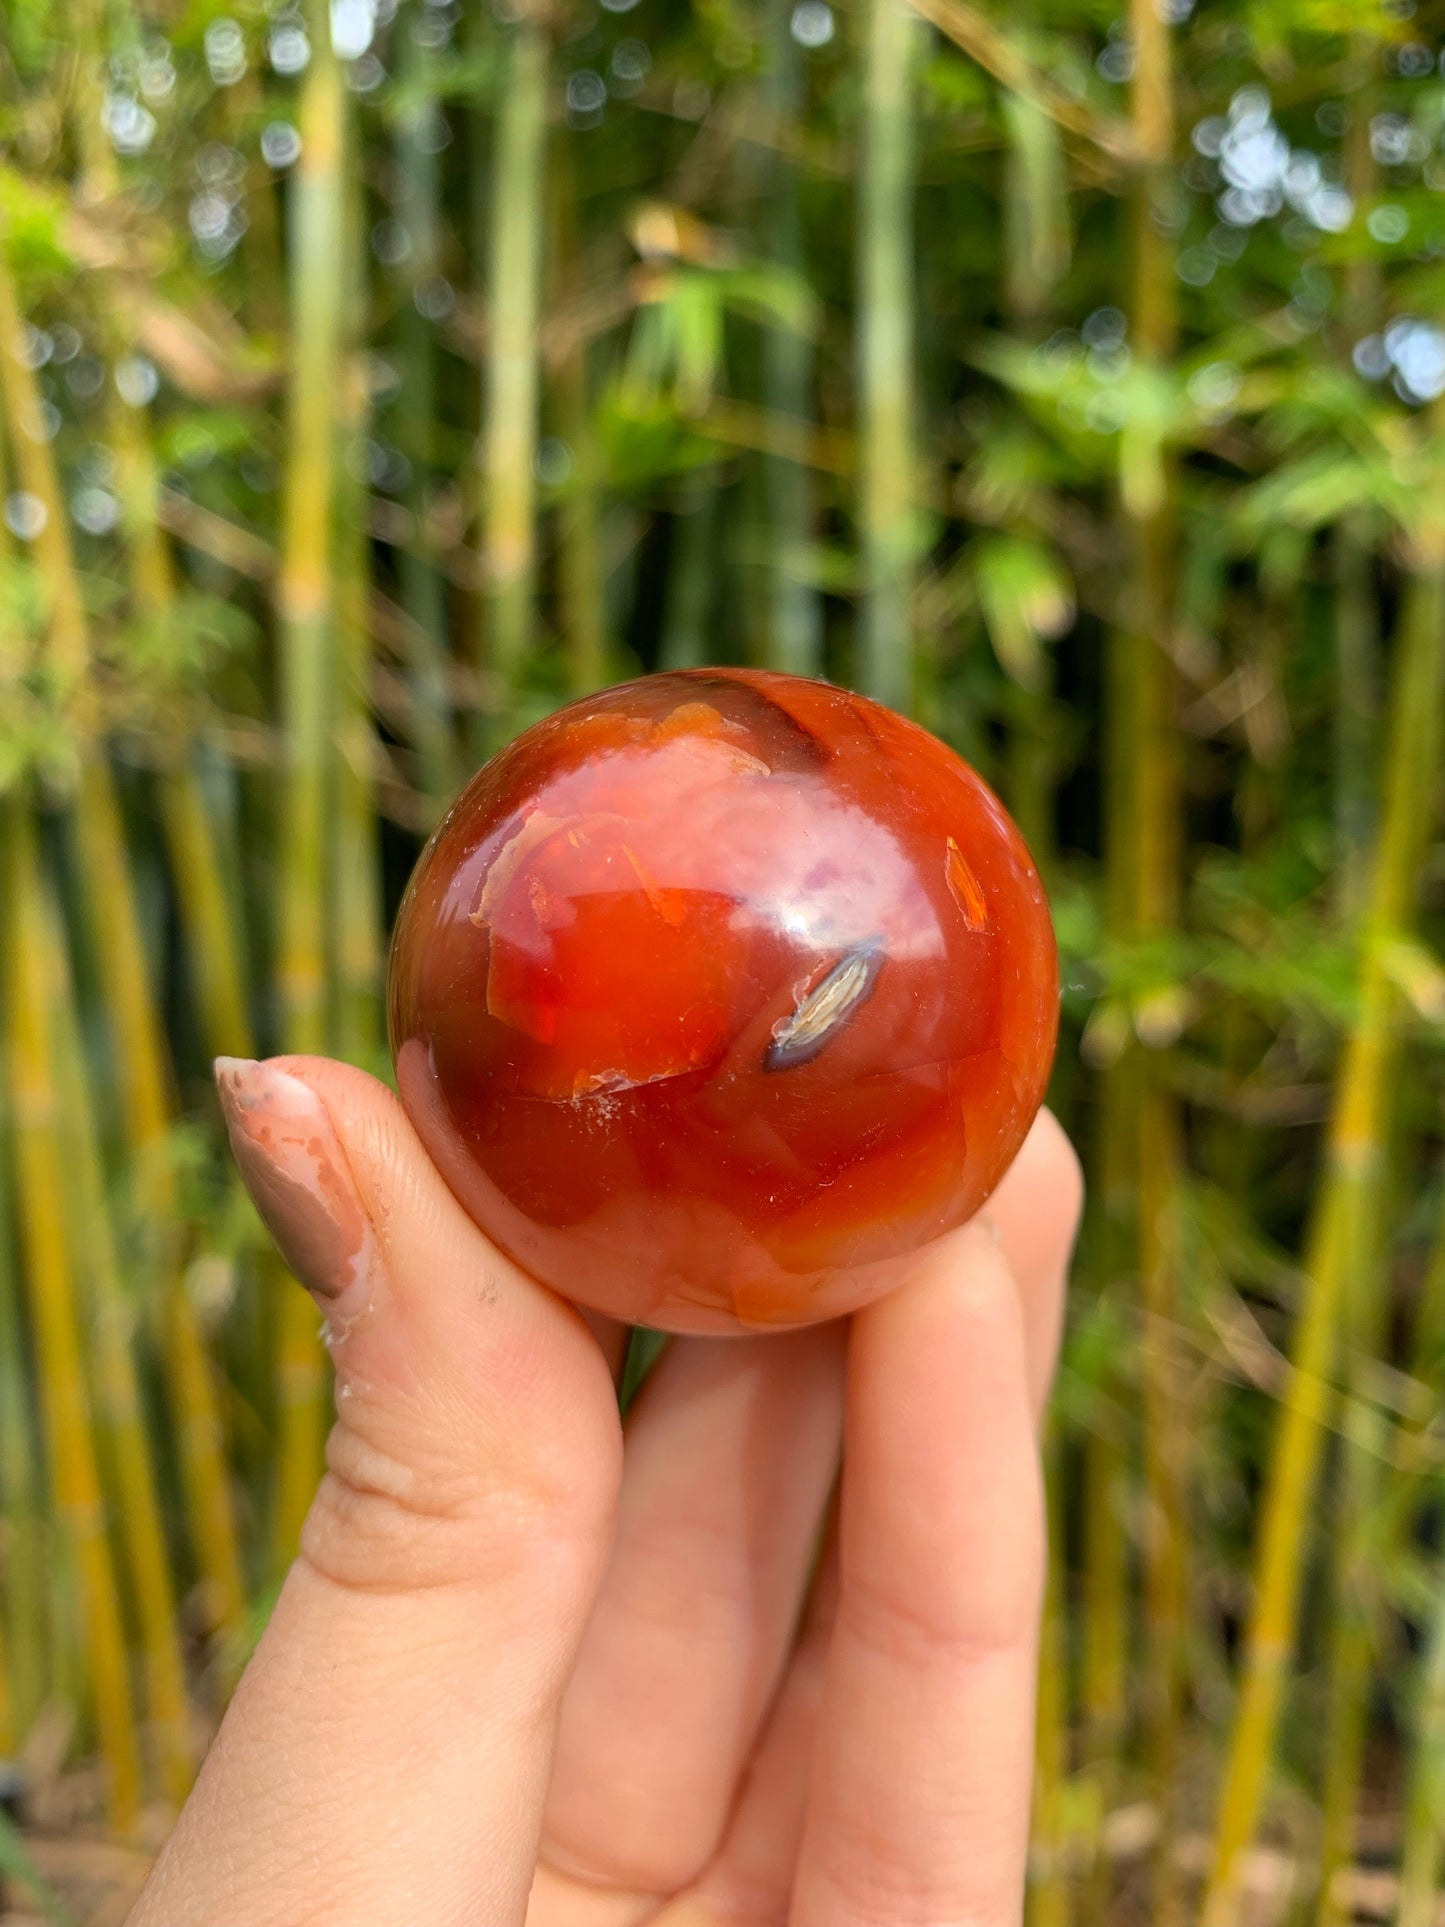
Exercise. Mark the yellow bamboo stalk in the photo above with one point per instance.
(1424, 1829)
(1107, 1629)
(1344, 1210)
(360, 959)
(1357, 626)
(1153, 829)
(9, 1725)
(22, 1554)
(40, 1185)
(1421, 1850)
(148, 1106)
(421, 583)
(140, 1054)
(886, 483)
(1049, 1897)
(579, 549)
(514, 285)
(120, 1413)
(307, 616)
(213, 940)
(1356, 1588)
(35, 471)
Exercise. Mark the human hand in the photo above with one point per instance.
(522, 1671)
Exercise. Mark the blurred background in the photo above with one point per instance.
(375, 376)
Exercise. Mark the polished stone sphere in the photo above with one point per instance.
(718, 994)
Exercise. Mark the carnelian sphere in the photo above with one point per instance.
(718, 994)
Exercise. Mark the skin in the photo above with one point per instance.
(526, 1669)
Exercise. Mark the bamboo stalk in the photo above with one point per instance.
(509, 436)
(22, 1550)
(145, 1085)
(885, 355)
(213, 938)
(794, 616)
(1424, 1836)
(307, 618)
(35, 471)
(22, 1560)
(579, 544)
(40, 1188)
(148, 1107)
(1355, 1628)
(356, 881)
(120, 1412)
(1420, 1852)
(687, 613)
(421, 585)
(214, 947)
(1357, 628)
(1345, 1202)
(1049, 1897)
(1358, 1605)
(1154, 832)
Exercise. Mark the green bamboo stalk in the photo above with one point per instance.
(1356, 1592)
(1345, 1208)
(1153, 829)
(1420, 1852)
(419, 578)
(120, 1413)
(687, 611)
(885, 300)
(148, 1106)
(35, 471)
(213, 937)
(356, 882)
(1034, 257)
(22, 1548)
(1107, 1618)
(1354, 1632)
(579, 540)
(509, 436)
(23, 1563)
(307, 619)
(140, 1055)
(50, 1281)
(1424, 1834)
(1049, 1897)
(1357, 627)
(1107, 1621)
(794, 616)
(214, 947)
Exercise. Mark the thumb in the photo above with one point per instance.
(386, 1754)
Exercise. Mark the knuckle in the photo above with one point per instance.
(386, 1520)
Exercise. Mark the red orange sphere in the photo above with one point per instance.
(718, 994)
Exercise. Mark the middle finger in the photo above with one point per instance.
(731, 1450)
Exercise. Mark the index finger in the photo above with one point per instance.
(920, 1802)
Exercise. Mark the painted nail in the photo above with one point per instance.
(297, 1174)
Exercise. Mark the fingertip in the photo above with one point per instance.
(1040, 1198)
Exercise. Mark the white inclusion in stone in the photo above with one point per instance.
(804, 1031)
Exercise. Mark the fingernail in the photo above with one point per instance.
(297, 1174)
